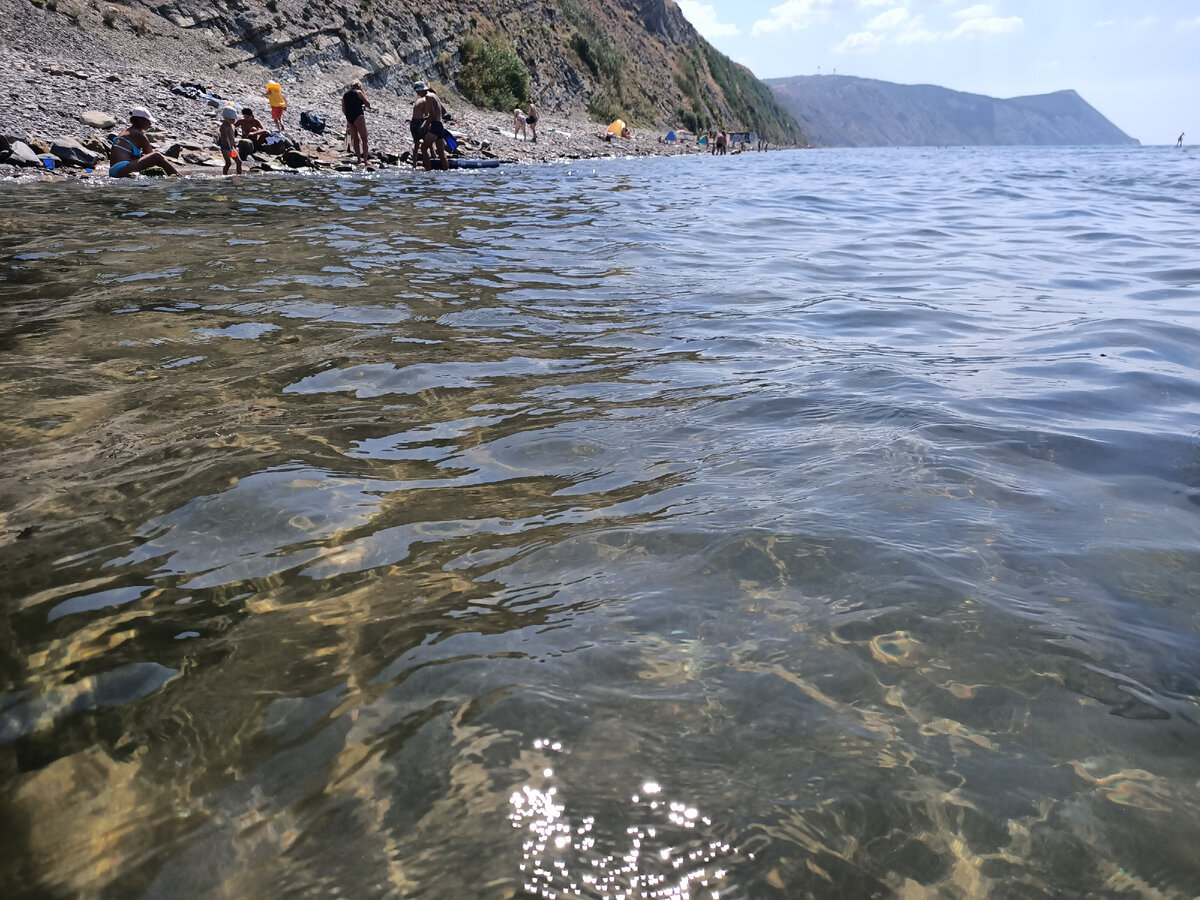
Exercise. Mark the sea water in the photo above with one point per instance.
(810, 524)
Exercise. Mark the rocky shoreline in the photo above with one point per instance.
(70, 94)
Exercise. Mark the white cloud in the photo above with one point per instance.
(885, 21)
(704, 17)
(978, 11)
(916, 33)
(1147, 22)
(1106, 23)
(793, 15)
(1188, 23)
(860, 42)
(981, 20)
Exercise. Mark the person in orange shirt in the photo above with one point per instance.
(278, 104)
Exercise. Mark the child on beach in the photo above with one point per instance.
(278, 103)
(227, 139)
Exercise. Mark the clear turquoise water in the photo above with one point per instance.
(802, 524)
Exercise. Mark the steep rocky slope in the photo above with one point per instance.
(638, 59)
(844, 111)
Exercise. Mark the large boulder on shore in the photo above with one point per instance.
(73, 153)
(96, 119)
(22, 155)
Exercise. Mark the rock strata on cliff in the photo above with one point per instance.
(636, 59)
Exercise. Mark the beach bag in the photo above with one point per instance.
(311, 121)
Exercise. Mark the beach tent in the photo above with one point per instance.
(616, 127)
(671, 137)
(703, 141)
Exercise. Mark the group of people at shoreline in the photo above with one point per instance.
(131, 151)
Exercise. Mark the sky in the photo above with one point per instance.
(1136, 61)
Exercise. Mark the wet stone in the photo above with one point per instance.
(22, 155)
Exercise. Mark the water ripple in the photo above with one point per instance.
(389, 535)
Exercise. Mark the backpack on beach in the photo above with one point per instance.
(311, 121)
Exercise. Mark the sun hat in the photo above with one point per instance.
(140, 112)
(228, 112)
(420, 86)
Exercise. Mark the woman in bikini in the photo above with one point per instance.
(519, 123)
(132, 151)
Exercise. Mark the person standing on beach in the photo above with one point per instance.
(278, 104)
(132, 151)
(227, 139)
(428, 110)
(519, 121)
(353, 103)
(531, 119)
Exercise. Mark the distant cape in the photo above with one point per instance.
(844, 111)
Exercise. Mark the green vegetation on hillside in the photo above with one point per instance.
(750, 102)
(618, 95)
(696, 116)
(492, 75)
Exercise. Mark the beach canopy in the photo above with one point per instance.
(616, 127)
(671, 137)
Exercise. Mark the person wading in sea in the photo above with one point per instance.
(353, 103)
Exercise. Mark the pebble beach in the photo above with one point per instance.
(64, 89)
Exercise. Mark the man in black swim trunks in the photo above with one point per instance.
(431, 132)
(531, 119)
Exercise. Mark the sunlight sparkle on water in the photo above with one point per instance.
(660, 857)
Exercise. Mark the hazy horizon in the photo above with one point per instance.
(1137, 67)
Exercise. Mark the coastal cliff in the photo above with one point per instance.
(844, 111)
(636, 59)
